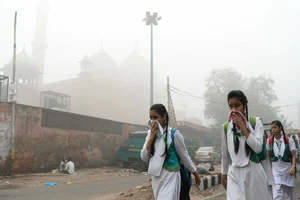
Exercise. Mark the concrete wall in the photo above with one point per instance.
(44, 136)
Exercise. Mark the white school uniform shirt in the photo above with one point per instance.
(255, 141)
(156, 162)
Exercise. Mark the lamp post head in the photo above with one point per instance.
(151, 19)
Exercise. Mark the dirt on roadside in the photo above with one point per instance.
(83, 175)
(144, 192)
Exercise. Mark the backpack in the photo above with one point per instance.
(286, 143)
(254, 157)
(186, 178)
(286, 140)
(284, 159)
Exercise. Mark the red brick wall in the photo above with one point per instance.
(5, 136)
(40, 148)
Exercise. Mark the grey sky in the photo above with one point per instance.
(255, 37)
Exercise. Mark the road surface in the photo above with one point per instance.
(223, 197)
(82, 191)
(85, 191)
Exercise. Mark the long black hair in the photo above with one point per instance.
(279, 124)
(161, 110)
(238, 94)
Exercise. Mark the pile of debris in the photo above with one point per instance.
(144, 192)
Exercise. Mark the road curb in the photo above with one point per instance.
(210, 181)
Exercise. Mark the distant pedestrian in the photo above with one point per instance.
(282, 152)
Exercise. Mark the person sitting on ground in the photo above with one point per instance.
(62, 164)
(69, 167)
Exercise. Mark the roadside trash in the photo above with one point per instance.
(54, 171)
(204, 168)
(50, 184)
(201, 170)
(68, 183)
(211, 168)
(128, 195)
(134, 171)
(7, 182)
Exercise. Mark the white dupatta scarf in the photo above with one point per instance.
(157, 160)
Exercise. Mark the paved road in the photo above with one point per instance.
(83, 191)
(223, 197)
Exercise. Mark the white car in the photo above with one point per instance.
(207, 155)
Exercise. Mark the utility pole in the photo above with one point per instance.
(151, 20)
(12, 155)
(151, 66)
(168, 93)
(171, 110)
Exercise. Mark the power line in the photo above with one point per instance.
(177, 91)
(196, 97)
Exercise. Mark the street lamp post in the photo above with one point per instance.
(13, 100)
(151, 20)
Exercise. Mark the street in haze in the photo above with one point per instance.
(81, 191)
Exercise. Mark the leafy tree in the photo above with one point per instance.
(259, 91)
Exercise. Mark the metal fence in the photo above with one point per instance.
(56, 101)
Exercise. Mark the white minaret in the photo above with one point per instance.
(39, 45)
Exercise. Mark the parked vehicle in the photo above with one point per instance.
(191, 147)
(208, 154)
(129, 151)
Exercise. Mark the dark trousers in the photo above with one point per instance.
(185, 192)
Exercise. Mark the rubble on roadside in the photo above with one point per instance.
(144, 192)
